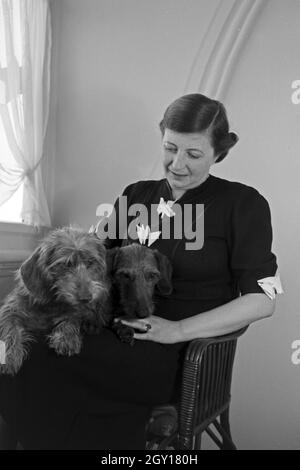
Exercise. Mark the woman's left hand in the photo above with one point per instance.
(155, 328)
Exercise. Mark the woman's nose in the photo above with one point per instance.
(179, 161)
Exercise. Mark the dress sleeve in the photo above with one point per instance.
(251, 257)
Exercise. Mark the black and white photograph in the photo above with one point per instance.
(149, 227)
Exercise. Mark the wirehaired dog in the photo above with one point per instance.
(137, 272)
(62, 292)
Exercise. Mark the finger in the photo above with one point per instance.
(136, 324)
(144, 336)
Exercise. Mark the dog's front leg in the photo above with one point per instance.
(14, 343)
(65, 338)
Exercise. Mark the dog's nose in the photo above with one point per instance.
(85, 299)
(142, 313)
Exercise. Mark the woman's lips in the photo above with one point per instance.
(176, 174)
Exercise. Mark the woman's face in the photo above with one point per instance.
(187, 158)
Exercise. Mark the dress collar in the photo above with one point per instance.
(190, 193)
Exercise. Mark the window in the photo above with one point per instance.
(25, 52)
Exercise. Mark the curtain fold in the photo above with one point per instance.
(24, 102)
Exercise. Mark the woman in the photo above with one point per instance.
(101, 399)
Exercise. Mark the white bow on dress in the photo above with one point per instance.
(271, 285)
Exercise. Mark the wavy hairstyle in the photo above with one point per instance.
(198, 113)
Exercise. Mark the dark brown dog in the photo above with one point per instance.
(136, 272)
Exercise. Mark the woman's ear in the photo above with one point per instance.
(216, 157)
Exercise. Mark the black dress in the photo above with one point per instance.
(102, 398)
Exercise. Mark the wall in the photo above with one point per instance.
(117, 65)
(120, 64)
(265, 410)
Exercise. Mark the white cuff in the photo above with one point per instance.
(271, 286)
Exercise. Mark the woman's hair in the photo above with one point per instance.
(198, 113)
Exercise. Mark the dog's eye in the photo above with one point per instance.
(90, 263)
(124, 275)
(151, 276)
(58, 268)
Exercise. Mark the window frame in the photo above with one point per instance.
(17, 241)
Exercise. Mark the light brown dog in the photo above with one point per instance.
(63, 290)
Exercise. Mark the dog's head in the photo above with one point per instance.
(136, 272)
(69, 266)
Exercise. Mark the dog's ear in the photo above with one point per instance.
(164, 285)
(111, 259)
(98, 243)
(34, 278)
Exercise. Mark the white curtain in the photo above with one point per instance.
(25, 47)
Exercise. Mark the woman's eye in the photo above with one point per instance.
(170, 149)
(193, 155)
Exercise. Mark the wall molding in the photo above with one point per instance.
(221, 46)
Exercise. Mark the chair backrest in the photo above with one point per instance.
(206, 384)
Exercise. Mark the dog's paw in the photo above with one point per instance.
(12, 358)
(65, 344)
(90, 328)
(124, 332)
(11, 366)
(3, 369)
(14, 347)
(6, 369)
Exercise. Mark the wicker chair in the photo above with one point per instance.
(204, 396)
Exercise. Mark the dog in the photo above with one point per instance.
(63, 291)
(137, 272)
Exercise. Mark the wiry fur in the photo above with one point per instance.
(136, 272)
(62, 291)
